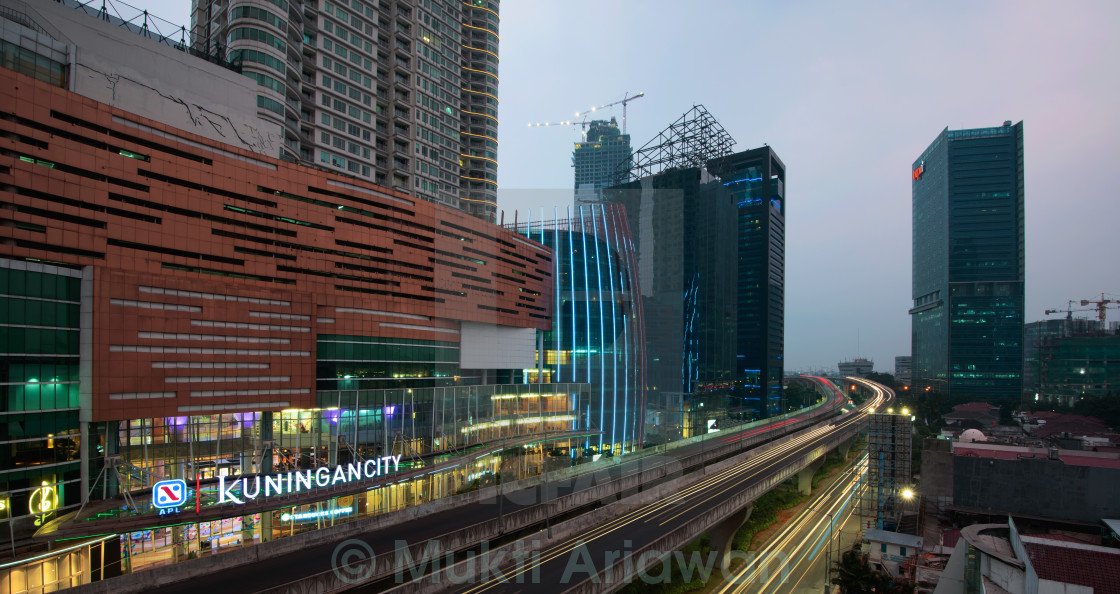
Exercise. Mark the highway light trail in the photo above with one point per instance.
(665, 515)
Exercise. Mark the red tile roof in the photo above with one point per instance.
(1069, 565)
(983, 407)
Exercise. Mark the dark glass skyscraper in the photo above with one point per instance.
(711, 257)
(756, 179)
(967, 316)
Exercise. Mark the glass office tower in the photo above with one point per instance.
(711, 256)
(967, 316)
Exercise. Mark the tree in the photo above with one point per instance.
(853, 575)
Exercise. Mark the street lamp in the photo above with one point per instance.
(827, 550)
(908, 493)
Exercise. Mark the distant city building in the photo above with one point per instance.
(1079, 367)
(858, 367)
(597, 332)
(598, 158)
(1044, 333)
(967, 315)
(710, 241)
(401, 94)
(902, 369)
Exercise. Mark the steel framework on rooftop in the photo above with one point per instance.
(691, 141)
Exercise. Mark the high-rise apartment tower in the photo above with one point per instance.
(403, 94)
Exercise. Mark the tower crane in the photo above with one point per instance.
(627, 98)
(1099, 305)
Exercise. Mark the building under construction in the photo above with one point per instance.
(889, 450)
(597, 158)
(709, 230)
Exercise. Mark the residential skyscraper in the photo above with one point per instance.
(967, 316)
(597, 159)
(399, 93)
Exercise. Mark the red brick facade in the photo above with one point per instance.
(213, 262)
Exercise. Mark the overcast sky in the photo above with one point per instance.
(848, 94)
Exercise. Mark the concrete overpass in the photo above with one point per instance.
(609, 547)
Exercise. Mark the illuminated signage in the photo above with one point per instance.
(241, 490)
(42, 501)
(169, 494)
(919, 170)
(326, 513)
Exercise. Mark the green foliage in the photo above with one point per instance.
(884, 378)
(471, 486)
(854, 575)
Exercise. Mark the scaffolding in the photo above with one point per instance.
(889, 450)
(691, 141)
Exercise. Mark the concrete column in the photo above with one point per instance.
(845, 447)
(266, 525)
(267, 442)
(723, 534)
(805, 476)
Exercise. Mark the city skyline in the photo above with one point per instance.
(847, 111)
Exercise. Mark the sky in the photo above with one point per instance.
(848, 94)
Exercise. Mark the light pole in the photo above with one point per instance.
(827, 549)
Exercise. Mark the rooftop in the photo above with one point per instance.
(1010, 452)
(902, 540)
(1074, 563)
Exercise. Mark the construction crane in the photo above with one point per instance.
(1099, 306)
(586, 114)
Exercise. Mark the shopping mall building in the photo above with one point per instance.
(204, 347)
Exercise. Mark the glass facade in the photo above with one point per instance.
(967, 316)
(1074, 367)
(597, 335)
(756, 180)
(710, 247)
(40, 442)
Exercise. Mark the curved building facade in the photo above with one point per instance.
(598, 331)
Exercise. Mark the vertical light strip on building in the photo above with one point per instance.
(572, 279)
(602, 354)
(614, 328)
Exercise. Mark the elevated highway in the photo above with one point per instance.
(607, 548)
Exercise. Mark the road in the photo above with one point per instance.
(569, 562)
(795, 560)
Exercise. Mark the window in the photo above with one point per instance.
(257, 35)
(883, 548)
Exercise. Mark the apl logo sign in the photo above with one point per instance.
(169, 494)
